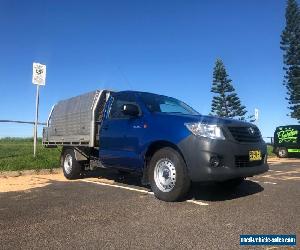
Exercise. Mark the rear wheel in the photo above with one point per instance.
(282, 153)
(71, 167)
(168, 175)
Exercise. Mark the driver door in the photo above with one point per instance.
(120, 135)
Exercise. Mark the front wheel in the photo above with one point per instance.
(69, 164)
(168, 175)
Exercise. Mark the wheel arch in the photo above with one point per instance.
(151, 149)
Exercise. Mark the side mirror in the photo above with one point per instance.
(130, 109)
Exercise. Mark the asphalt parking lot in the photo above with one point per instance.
(109, 211)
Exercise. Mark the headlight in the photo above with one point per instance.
(205, 130)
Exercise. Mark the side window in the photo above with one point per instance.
(170, 107)
(116, 107)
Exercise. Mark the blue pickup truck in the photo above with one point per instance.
(164, 140)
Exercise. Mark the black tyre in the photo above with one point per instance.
(71, 168)
(282, 153)
(232, 183)
(168, 175)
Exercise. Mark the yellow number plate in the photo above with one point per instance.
(255, 155)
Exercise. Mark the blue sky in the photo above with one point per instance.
(167, 47)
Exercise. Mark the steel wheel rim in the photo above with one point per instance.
(68, 163)
(165, 175)
(281, 152)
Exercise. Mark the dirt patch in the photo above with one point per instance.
(26, 180)
(21, 183)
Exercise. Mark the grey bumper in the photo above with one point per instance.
(197, 153)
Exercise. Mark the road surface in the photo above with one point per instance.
(109, 211)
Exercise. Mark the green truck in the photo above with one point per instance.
(287, 141)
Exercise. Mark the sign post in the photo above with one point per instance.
(38, 78)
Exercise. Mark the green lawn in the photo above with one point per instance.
(270, 151)
(17, 154)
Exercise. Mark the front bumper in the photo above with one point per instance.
(198, 151)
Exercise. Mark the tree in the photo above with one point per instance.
(226, 103)
(290, 44)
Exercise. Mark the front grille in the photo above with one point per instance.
(243, 134)
(242, 161)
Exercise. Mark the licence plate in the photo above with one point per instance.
(255, 155)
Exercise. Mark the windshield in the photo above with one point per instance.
(165, 104)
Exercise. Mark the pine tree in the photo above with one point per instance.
(226, 103)
(290, 44)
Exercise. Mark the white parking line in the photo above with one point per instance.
(198, 202)
(275, 163)
(118, 186)
(265, 182)
(139, 190)
(268, 182)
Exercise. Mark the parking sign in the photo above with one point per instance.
(39, 74)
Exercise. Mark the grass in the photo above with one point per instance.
(270, 151)
(17, 154)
